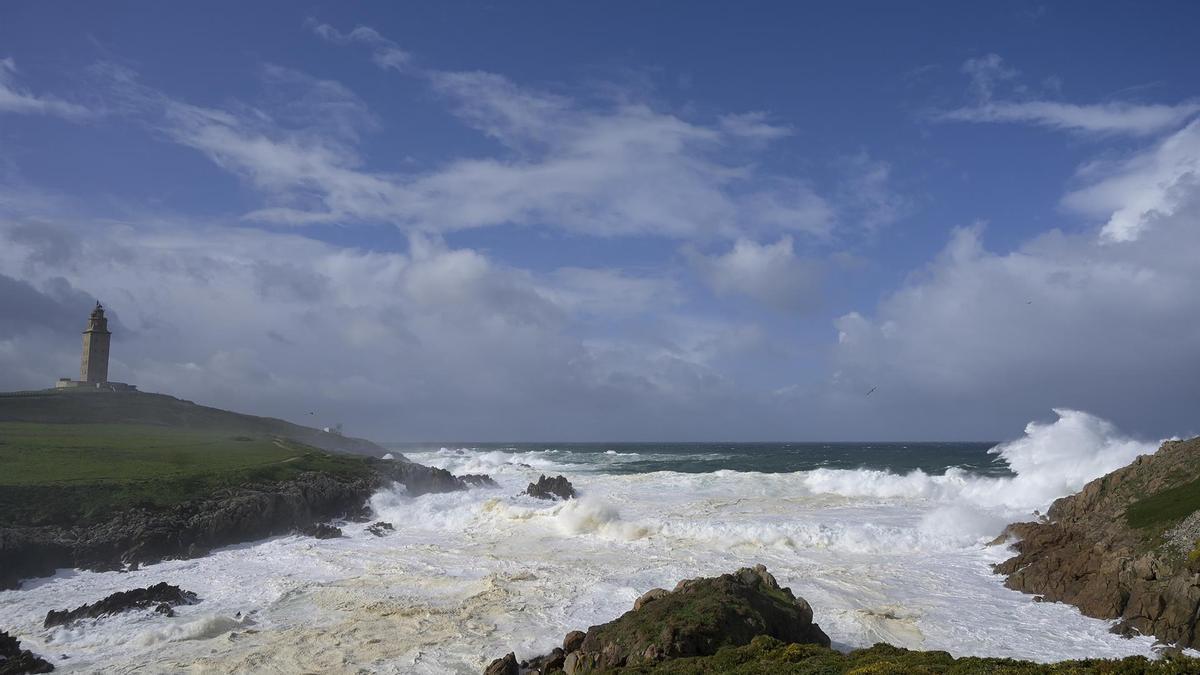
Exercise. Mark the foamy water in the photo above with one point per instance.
(466, 577)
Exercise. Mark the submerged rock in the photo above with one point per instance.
(551, 488)
(697, 618)
(14, 660)
(381, 528)
(321, 531)
(159, 595)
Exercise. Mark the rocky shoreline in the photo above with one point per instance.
(255, 510)
(1125, 547)
(746, 623)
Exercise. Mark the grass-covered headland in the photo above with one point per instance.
(75, 473)
(100, 480)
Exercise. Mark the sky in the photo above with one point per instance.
(612, 221)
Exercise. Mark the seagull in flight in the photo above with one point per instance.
(872, 390)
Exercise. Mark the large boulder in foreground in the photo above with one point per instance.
(697, 618)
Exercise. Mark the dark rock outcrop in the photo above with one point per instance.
(162, 596)
(321, 531)
(478, 480)
(381, 528)
(697, 618)
(16, 661)
(551, 488)
(1115, 551)
(506, 665)
(252, 511)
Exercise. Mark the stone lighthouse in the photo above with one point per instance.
(93, 366)
(93, 369)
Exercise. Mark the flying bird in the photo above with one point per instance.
(872, 390)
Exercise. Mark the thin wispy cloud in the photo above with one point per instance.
(989, 74)
(619, 169)
(17, 99)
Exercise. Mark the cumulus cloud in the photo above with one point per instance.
(16, 99)
(989, 73)
(1065, 319)
(1150, 185)
(769, 273)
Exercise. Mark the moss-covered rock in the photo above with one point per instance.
(697, 618)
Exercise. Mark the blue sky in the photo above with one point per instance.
(612, 221)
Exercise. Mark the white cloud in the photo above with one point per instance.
(385, 53)
(989, 73)
(1114, 117)
(769, 273)
(14, 99)
(612, 169)
(753, 126)
(1150, 185)
(998, 337)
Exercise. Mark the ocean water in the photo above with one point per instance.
(887, 541)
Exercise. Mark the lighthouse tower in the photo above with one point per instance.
(93, 368)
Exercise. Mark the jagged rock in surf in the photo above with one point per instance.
(381, 528)
(551, 488)
(506, 665)
(478, 480)
(321, 531)
(158, 595)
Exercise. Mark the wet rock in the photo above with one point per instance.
(321, 531)
(698, 618)
(478, 480)
(503, 666)
(544, 665)
(159, 595)
(14, 660)
(551, 488)
(574, 639)
(381, 528)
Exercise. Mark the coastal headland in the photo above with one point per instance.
(108, 480)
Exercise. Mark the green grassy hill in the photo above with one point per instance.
(83, 406)
(60, 474)
(70, 457)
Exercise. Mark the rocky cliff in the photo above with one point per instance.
(254, 510)
(1124, 547)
